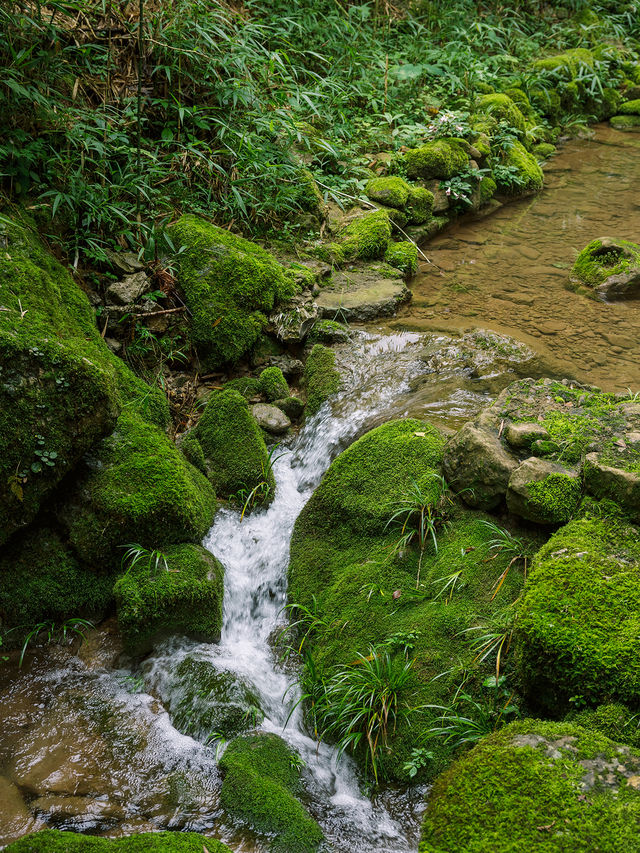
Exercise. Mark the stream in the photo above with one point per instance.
(88, 744)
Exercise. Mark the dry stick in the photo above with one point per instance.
(361, 201)
(159, 313)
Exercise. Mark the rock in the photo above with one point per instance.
(321, 377)
(362, 295)
(523, 435)
(330, 332)
(15, 818)
(126, 262)
(288, 365)
(606, 481)
(295, 320)
(271, 418)
(127, 291)
(543, 491)
(80, 814)
(273, 384)
(536, 785)
(608, 268)
(291, 406)
(477, 466)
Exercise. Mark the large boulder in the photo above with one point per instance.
(578, 628)
(230, 285)
(537, 786)
(608, 269)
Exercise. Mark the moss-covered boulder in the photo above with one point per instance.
(529, 176)
(626, 122)
(442, 158)
(234, 450)
(543, 150)
(207, 702)
(608, 268)
(61, 388)
(366, 237)
(403, 256)
(503, 109)
(179, 594)
(136, 486)
(537, 786)
(321, 377)
(273, 384)
(630, 108)
(261, 781)
(56, 841)
(391, 191)
(578, 627)
(544, 492)
(613, 720)
(229, 284)
(41, 580)
(420, 205)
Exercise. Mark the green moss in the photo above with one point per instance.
(136, 487)
(502, 108)
(630, 108)
(530, 175)
(248, 386)
(529, 787)
(555, 499)
(614, 721)
(566, 66)
(442, 158)
(398, 218)
(578, 626)
(420, 205)
(522, 102)
(366, 237)
(543, 150)
(293, 407)
(486, 189)
(391, 191)
(261, 779)
(55, 841)
(234, 449)
(273, 384)
(625, 122)
(41, 580)
(403, 256)
(61, 388)
(308, 195)
(600, 259)
(184, 598)
(228, 284)
(329, 331)
(193, 452)
(321, 378)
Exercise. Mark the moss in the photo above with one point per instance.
(308, 195)
(625, 122)
(391, 191)
(273, 384)
(614, 721)
(442, 158)
(233, 446)
(603, 258)
(521, 100)
(261, 779)
(41, 580)
(183, 598)
(530, 177)
(193, 452)
(329, 331)
(486, 189)
(578, 627)
(543, 150)
(248, 386)
(293, 407)
(398, 218)
(420, 205)
(630, 108)
(55, 841)
(366, 237)
(403, 256)
(61, 388)
(528, 787)
(566, 66)
(502, 108)
(321, 378)
(228, 284)
(136, 487)
(555, 499)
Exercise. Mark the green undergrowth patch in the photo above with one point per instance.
(56, 841)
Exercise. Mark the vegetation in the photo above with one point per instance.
(55, 841)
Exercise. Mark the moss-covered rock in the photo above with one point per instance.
(366, 237)
(61, 388)
(609, 268)
(420, 205)
(392, 191)
(543, 150)
(273, 384)
(329, 332)
(55, 841)
(234, 449)
(578, 627)
(502, 108)
(261, 780)
(630, 108)
(248, 386)
(293, 407)
(537, 786)
(229, 283)
(544, 492)
(182, 597)
(442, 158)
(529, 173)
(321, 377)
(625, 122)
(193, 451)
(615, 721)
(41, 580)
(136, 486)
(403, 256)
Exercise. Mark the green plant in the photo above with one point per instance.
(51, 632)
(137, 556)
(420, 758)
(307, 623)
(504, 543)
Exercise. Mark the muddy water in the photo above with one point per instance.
(507, 272)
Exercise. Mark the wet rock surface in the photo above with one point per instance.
(362, 294)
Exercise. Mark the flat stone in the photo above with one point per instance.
(131, 287)
(271, 418)
(126, 262)
(524, 434)
(360, 296)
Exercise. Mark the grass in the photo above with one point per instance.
(51, 632)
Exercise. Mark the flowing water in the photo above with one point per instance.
(88, 746)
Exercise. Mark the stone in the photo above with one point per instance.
(293, 322)
(293, 407)
(127, 291)
(125, 262)
(271, 418)
(15, 818)
(477, 466)
(362, 295)
(543, 492)
(81, 814)
(608, 268)
(288, 365)
(604, 480)
(524, 434)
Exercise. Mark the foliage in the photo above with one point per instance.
(136, 555)
(52, 632)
